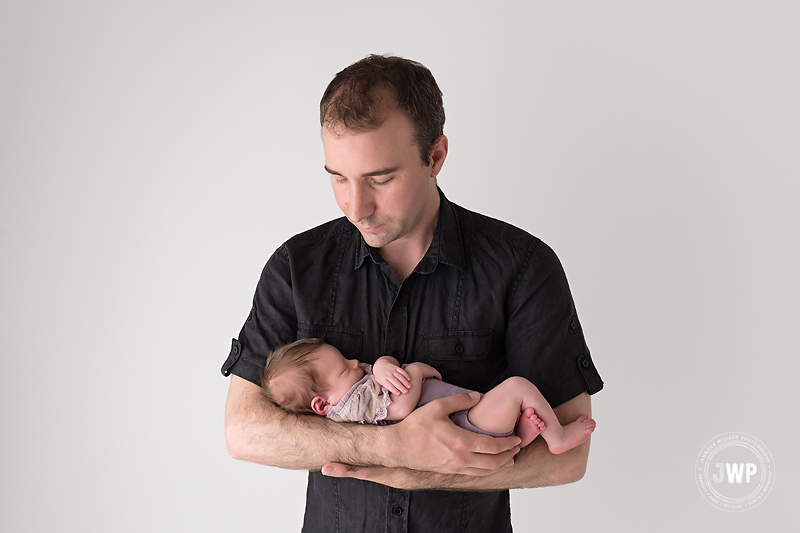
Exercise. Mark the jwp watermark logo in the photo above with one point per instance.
(735, 472)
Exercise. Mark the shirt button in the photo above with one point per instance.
(585, 363)
(459, 348)
(573, 325)
(235, 349)
(398, 511)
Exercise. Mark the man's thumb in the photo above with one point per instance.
(464, 400)
(334, 470)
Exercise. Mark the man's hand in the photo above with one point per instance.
(428, 440)
(399, 478)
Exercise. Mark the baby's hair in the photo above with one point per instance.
(289, 379)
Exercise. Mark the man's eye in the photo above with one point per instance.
(382, 182)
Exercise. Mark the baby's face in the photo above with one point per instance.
(337, 373)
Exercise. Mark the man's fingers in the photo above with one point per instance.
(482, 464)
(483, 472)
(436, 444)
(389, 476)
(369, 473)
(496, 445)
(336, 470)
(345, 470)
(483, 444)
(457, 402)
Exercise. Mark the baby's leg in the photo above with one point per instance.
(499, 412)
(499, 409)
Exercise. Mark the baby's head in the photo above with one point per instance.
(309, 376)
(289, 378)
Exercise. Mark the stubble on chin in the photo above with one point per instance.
(376, 241)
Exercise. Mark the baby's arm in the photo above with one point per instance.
(389, 374)
(403, 404)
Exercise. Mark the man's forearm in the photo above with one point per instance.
(258, 431)
(534, 466)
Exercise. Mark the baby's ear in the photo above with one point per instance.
(320, 405)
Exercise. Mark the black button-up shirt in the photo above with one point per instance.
(487, 301)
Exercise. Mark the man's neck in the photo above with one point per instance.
(404, 254)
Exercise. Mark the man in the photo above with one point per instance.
(409, 274)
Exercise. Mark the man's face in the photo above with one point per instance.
(379, 181)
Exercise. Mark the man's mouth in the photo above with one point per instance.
(373, 229)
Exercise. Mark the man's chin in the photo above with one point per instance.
(376, 240)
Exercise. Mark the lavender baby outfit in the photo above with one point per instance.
(366, 402)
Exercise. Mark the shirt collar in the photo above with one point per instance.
(446, 247)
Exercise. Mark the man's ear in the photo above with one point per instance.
(438, 155)
(320, 405)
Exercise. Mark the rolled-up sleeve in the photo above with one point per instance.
(271, 323)
(544, 338)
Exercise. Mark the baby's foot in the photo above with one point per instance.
(528, 427)
(574, 434)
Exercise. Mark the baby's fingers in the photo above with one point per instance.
(395, 387)
(391, 387)
(402, 379)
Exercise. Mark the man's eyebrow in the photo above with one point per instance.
(379, 172)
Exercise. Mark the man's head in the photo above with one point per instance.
(382, 120)
(309, 376)
(359, 96)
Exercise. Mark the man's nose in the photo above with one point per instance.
(362, 204)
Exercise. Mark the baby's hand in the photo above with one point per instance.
(391, 376)
(427, 370)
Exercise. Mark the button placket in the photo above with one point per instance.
(397, 507)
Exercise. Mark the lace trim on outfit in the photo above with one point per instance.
(383, 404)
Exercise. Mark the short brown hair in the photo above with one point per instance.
(350, 99)
(289, 379)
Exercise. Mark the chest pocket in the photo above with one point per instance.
(464, 358)
(347, 341)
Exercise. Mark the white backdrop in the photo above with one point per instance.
(153, 154)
